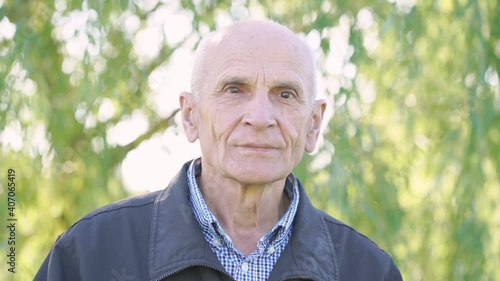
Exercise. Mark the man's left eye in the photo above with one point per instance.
(233, 90)
(286, 94)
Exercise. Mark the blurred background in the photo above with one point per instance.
(410, 154)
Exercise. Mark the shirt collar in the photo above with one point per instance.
(209, 223)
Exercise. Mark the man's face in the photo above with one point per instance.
(255, 115)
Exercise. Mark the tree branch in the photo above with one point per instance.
(160, 126)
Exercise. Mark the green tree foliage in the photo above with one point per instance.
(411, 156)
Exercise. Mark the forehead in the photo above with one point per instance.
(252, 58)
(249, 49)
(250, 70)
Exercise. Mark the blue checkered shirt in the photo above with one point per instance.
(258, 265)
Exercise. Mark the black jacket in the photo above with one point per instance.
(156, 237)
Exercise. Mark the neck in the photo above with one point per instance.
(245, 211)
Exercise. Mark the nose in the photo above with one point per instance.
(259, 112)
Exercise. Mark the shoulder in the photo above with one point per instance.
(355, 250)
(347, 233)
(114, 217)
(109, 238)
(122, 206)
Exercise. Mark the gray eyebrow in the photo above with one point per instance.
(289, 85)
(233, 80)
(237, 80)
(241, 80)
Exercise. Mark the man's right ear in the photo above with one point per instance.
(189, 117)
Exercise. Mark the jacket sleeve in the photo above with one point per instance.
(393, 274)
(58, 266)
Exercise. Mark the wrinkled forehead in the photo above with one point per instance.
(253, 44)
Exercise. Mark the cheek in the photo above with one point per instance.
(296, 126)
(218, 122)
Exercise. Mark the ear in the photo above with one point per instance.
(188, 114)
(317, 118)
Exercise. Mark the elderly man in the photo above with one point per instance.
(236, 213)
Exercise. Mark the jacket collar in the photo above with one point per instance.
(310, 253)
(176, 240)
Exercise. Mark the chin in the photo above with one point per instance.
(258, 175)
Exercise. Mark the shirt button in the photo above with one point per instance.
(271, 250)
(244, 267)
(216, 242)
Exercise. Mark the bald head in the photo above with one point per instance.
(253, 107)
(250, 39)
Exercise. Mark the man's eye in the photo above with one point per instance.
(286, 94)
(233, 90)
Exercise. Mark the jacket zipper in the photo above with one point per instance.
(192, 265)
(217, 269)
(298, 277)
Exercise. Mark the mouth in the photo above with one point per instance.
(262, 147)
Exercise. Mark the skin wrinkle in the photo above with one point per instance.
(233, 72)
(215, 38)
(251, 136)
(232, 76)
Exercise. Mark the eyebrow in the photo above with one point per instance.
(235, 80)
(289, 84)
